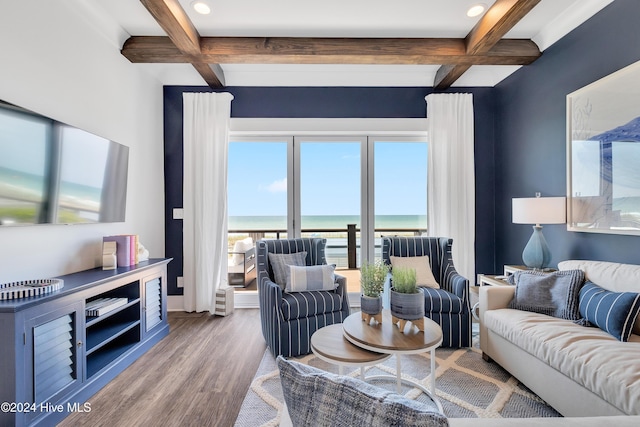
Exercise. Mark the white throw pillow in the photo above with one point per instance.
(422, 266)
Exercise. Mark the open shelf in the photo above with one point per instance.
(92, 320)
(110, 335)
(107, 354)
(105, 335)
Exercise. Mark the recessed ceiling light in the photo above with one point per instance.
(476, 9)
(202, 7)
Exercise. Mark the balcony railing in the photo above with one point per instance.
(351, 231)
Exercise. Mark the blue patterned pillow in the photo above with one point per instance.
(318, 398)
(311, 278)
(613, 312)
(554, 294)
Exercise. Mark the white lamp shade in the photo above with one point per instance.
(539, 210)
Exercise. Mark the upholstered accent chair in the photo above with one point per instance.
(449, 305)
(290, 318)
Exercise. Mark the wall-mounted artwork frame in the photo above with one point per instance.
(603, 155)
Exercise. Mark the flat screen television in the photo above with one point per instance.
(53, 173)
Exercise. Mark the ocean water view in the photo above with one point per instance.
(335, 226)
(326, 222)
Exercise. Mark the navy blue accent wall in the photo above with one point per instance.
(531, 132)
(316, 102)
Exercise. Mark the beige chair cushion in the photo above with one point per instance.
(422, 266)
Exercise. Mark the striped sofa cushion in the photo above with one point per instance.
(613, 312)
(308, 304)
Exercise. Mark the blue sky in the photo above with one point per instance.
(330, 178)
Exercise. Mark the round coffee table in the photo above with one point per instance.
(330, 345)
(387, 338)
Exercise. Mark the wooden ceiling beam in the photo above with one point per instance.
(501, 17)
(183, 34)
(212, 74)
(448, 74)
(293, 50)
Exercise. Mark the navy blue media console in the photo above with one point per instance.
(53, 357)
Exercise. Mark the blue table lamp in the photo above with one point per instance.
(538, 210)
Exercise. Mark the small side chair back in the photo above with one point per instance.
(289, 319)
(449, 305)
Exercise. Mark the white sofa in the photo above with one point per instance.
(580, 371)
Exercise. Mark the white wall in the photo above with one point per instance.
(58, 60)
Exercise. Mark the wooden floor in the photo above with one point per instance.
(197, 376)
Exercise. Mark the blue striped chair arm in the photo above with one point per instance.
(458, 285)
(341, 289)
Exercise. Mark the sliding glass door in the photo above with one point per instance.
(329, 193)
(349, 190)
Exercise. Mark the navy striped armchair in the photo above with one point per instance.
(289, 319)
(449, 305)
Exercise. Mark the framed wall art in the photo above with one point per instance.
(603, 155)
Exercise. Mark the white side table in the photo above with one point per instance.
(486, 280)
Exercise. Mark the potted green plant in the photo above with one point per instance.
(407, 302)
(372, 278)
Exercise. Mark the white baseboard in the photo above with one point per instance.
(245, 299)
(175, 303)
(354, 299)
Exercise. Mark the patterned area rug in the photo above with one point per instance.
(467, 386)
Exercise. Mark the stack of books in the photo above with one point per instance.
(103, 306)
(126, 248)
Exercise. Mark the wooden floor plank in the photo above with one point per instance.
(196, 376)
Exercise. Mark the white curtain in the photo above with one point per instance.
(206, 142)
(451, 176)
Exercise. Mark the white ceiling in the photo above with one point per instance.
(545, 24)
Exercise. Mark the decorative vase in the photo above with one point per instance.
(407, 308)
(371, 308)
(536, 254)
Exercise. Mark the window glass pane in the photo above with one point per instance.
(400, 185)
(330, 196)
(257, 190)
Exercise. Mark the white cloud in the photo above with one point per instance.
(279, 186)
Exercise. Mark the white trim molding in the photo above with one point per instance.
(568, 21)
(375, 126)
